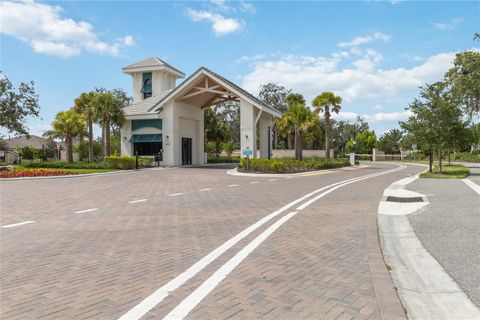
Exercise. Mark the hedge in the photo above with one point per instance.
(64, 165)
(223, 159)
(125, 162)
(288, 165)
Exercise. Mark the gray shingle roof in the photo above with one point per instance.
(144, 106)
(151, 62)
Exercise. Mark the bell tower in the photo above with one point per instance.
(152, 77)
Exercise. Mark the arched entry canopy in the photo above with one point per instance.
(205, 88)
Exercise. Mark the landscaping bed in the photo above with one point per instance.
(289, 165)
(19, 172)
(449, 172)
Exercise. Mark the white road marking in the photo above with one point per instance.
(160, 294)
(475, 187)
(272, 179)
(187, 305)
(136, 201)
(175, 194)
(206, 189)
(254, 182)
(17, 224)
(232, 185)
(87, 210)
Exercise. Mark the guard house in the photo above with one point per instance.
(170, 118)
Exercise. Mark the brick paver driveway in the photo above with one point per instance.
(97, 247)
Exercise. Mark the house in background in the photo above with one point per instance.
(169, 118)
(38, 143)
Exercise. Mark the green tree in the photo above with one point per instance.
(274, 95)
(326, 103)
(16, 105)
(464, 79)
(390, 141)
(364, 143)
(216, 131)
(108, 110)
(344, 131)
(67, 125)
(301, 118)
(229, 113)
(437, 123)
(83, 105)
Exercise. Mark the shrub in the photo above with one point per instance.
(222, 159)
(229, 148)
(416, 156)
(466, 156)
(116, 162)
(289, 165)
(64, 165)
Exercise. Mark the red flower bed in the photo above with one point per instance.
(35, 173)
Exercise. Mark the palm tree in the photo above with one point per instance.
(327, 102)
(107, 110)
(83, 105)
(300, 118)
(67, 125)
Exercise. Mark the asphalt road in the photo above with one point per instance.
(97, 247)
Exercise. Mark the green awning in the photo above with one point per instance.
(139, 138)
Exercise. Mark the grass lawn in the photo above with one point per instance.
(454, 171)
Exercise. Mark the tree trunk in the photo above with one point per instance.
(327, 135)
(103, 140)
(290, 141)
(298, 145)
(107, 139)
(440, 165)
(430, 160)
(449, 158)
(90, 139)
(68, 140)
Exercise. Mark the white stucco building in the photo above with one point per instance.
(167, 117)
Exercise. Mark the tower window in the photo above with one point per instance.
(147, 85)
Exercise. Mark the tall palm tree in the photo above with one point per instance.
(83, 105)
(327, 102)
(285, 128)
(67, 125)
(107, 111)
(300, 118)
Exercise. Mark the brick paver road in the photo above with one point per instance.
(91, 254)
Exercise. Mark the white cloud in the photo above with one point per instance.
(452, 24)
(220, 25)
(372, 118)
(362, 80)
(357, 41)
(43, 27)
(378, 107)
(245, 6)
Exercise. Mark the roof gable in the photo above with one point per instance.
(216, 77)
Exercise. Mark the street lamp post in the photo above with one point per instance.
(269, 142)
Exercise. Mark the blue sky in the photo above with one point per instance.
(373, 53)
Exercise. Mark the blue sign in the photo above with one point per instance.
(247, 152)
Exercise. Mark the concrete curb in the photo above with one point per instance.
(234, 172)
(424, 287)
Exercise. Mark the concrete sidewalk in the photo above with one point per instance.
(449, 228)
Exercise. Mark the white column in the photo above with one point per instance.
(266, 120)
(248, 130)
(126, 147)
(374, 154)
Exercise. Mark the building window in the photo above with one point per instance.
(147, 85)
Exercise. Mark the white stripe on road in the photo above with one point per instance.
(232, 185)
(136, 201)
(17, 224)
(253, 182)
(160, 294)
(272, 179)
(475, 187)
(184, 308)
(87, 210)
(175, 194)
(206, 189)
(189, 303)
